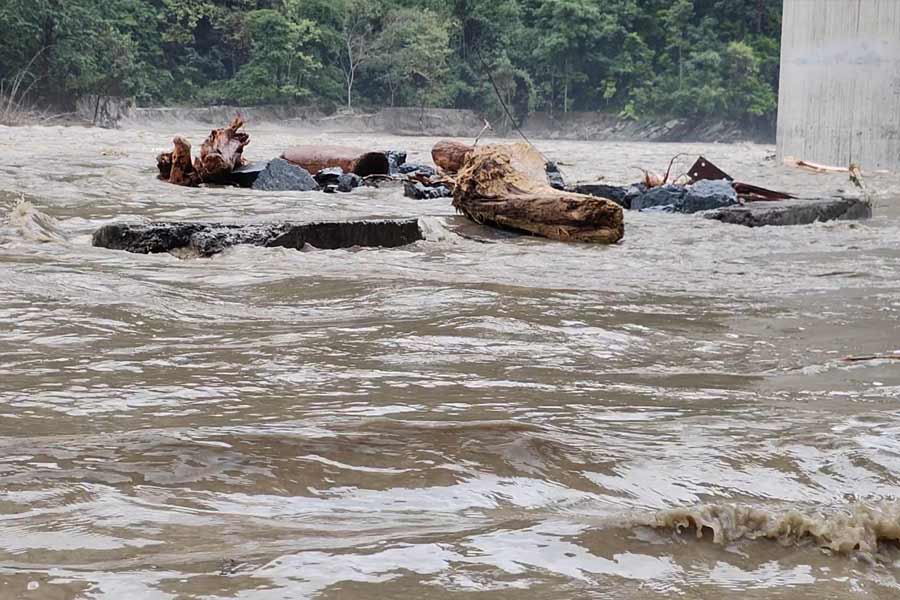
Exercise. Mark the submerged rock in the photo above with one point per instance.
(668, 197)
(329, 176)
(793, 212)
(348, 182)
(703, 195)
(395, 159)
(246, 175)
(282, 176)
(333, 179)
(417, 169)
(419, 191)
(709, 194)
(616, 193)
(206, 239)
(555, 176)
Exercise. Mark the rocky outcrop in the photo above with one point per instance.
(282, 176)
(793, 212)
(700, 196)
(206, 239)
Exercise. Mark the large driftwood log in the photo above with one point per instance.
(351, 160)
(449, 155)
(506, 186)
(222, 152)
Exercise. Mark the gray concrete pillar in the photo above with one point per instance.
(839, 98)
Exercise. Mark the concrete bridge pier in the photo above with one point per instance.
(839, 98)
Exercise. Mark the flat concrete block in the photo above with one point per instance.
(206, 239)
(792, 212)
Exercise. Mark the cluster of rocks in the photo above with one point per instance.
(718, 200)
(280, 175)
(700, 196)
(423, 182)
(420, 181)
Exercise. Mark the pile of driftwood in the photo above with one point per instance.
(504, 186)
(220, 154)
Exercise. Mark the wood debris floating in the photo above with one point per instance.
(895, 356)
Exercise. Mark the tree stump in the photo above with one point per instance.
(449, 155)
(507, 186)
(222, 152)
(176, 166)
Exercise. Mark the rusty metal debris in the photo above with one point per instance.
(704, 169)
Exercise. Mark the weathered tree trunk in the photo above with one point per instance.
(449, 155)
(351, 160)
(506, 186)
(222, 152)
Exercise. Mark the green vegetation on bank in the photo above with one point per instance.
(702, 58)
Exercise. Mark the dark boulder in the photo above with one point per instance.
(245, 175)
(792, 212)
(708, 194)
(703, 195)
(666, 198)
(420, 191)
(333, 179)
(205, 239)
(348, 182)
(282, 176)
(395, 159)
(634, 191)
(417, 169)
(328, 176)
(616, 193)
(555, 176)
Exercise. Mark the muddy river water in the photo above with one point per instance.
(514, 419)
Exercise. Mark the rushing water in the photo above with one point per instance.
(518, 418)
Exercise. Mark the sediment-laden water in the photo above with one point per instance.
(512, 419)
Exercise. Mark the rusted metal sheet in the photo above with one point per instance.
(704, 169)
(351, 160)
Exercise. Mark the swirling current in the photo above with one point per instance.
(471, 415)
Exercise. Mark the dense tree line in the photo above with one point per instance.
(634, 57)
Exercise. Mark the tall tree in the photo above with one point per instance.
(358, 38)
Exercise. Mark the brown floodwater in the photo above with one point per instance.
(472, 415)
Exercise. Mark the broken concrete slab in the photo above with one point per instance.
(792, 212)
(206, 239)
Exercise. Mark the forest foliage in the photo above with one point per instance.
(689, 58)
